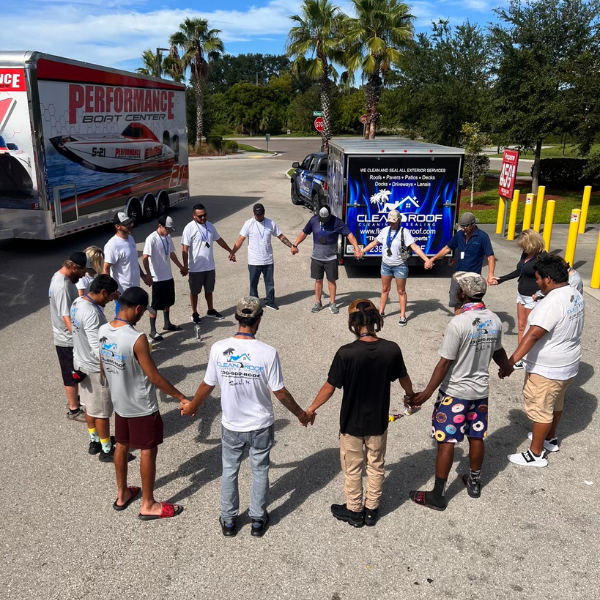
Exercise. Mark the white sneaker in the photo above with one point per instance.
(519, 366)
(528, 459)
(550, 445)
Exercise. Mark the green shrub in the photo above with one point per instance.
(570, 173)
(230, 146)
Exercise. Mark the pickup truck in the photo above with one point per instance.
(309, 182)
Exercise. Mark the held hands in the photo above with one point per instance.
(294, 251)
(184, 271)
(491, 280)
(418, 399)
(358, 253)
(232, 256)
(186, 408)
(147, 279)
(307, 418)
(429, 263)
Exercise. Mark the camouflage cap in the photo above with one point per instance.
(353, 308)
(248, 307)
(472, 284)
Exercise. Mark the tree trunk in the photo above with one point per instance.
(535, 173)
(199, 91)
(373, 92)
(325, 89)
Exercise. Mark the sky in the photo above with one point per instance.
(115, 32)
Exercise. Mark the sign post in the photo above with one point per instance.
(268, 137)
(508, 175)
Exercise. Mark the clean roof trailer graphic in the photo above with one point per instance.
(369, 178)
(80, 142)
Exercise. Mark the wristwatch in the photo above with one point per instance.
(294, 246)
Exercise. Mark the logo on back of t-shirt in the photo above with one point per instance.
(239, 359)
(577, 309)
(112, 361)
(482, 326)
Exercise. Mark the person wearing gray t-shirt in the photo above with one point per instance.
(61, 295)
(472, 340)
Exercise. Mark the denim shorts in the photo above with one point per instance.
(453, 418)
(399, 272)
(527, 301)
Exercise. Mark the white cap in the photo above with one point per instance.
(324, 212)
(167, 222)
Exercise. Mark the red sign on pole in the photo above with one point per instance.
(363, 119)
(319, 124)
(508, 174)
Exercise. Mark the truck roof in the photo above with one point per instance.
(28, 59)
(391, 146)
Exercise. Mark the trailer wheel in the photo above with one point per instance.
(148, 207)
(316, 204)
(295, 198)
(163, 205)
(134, 210)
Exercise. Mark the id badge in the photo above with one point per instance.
(462, 255)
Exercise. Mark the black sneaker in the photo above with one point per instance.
(214, 314)
(156, 337)
(95, 447)
(259, 526)
(371, 516)
(196, 318)
(473, 487)
(108, 456)
(229, 529)
(341, 512)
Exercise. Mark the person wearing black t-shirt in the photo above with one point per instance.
(533, 247)
(365, 369)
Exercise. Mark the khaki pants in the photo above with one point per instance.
(352, 457)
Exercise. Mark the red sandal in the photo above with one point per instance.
(167, 511)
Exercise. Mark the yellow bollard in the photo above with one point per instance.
(595, 282)
(550, 205)
(572, 238)
(528, 210)
(585, 204)
(500, 219)
(512, 220)
(539, 208)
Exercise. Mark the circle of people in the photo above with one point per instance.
(107, 367)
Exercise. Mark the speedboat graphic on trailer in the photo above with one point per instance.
(137, 149)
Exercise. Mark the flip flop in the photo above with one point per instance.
(135, 492)
(167, 511)
(420, 499)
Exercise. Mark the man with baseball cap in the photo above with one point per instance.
(121, 258)
(158, 253)
(326, 230)
(132, 376)
(245, 368)
(197, 242)
(472, 340)
(365, 369)
(472, 246)
(61, 294)
(259, 230)
(87, 316)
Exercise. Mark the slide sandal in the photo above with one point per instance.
(135, 492)
(420, 499)
(168, 510)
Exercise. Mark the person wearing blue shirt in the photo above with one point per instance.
(472, 245)
(326, 229)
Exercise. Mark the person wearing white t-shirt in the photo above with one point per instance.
(259, 230)
(245, 369)
(158, 253)
(394, 240)
(121, 259)
(197, 242)
(551, 352)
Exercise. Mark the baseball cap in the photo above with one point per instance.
(121, 219)
(258, 209)
(467, 218)
(324, 214)
(393, 216)
(472, 284)
(138, 297)
(353, 308)
(167, 222)
(248, 307)
(81, 259)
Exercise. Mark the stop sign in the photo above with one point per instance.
(363, 119)
(319, 124)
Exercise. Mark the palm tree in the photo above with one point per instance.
(199, 45)
(317, 33)
(170, 65)
(150, 62)
(375, 38)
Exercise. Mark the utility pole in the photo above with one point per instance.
(159, 61)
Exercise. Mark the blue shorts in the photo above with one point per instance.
(399, 272)
(453, 418)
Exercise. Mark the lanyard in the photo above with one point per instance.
(262, 233)
(244, 334)
(96, 305)
(473, 306)
(390, 239)
(165, 244)
(124, 321)
(204, 237)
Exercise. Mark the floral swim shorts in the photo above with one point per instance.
(453, 418)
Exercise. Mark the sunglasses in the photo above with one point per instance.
(202, 216)
(466, 226)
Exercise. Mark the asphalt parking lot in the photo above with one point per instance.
(533, 532)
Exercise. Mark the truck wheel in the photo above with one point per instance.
(148, 208)
(316, 203)
(134, 211)
(163, 205)
(295, 199)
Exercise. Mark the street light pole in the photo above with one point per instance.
(158, 59)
